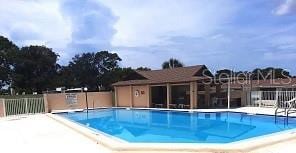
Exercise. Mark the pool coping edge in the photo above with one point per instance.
(115, 145)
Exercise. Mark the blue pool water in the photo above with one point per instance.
(153, 126)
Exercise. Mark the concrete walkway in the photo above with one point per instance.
(287, 147)
(39, 133)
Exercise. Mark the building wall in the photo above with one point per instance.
(133, 96)
(123, 96)
(142, 99)
(95, 99)
(236, 94)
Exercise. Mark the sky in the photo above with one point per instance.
(233, 34)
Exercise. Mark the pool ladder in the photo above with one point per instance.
(288, 109)
(278, 111)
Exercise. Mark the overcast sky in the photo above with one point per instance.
(235, 34)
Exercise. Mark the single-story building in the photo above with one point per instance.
(193, 87)
(184, 87)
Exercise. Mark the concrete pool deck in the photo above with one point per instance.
(40, 133)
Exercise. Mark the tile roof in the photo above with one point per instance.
(181, 74)
(263, 83)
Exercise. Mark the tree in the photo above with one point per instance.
(225, 73)
(7, 52)
(88, 69)
(65, 78)
(143, 69)
(118, 74)
(35, 69)
(270, 73)
(172, 63)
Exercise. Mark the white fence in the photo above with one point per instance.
(271, 98)
(23, 106)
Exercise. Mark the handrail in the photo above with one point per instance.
(288, 106)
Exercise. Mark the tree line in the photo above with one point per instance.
(35, 69)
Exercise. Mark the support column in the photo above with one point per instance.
(131, 96)
(218, 95)
(277, 97)
(218, 89)
(115, 97)
(2, 108)
(46, 110)
(243, 98)
(168, 86)
(228, 94)
(196, 94)
(148, 96)
(207, 94)
(193, 94)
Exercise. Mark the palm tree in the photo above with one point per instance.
(172, 63)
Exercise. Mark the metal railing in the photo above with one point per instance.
(24, 106)
(271, 98)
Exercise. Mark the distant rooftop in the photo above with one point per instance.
(268, 83)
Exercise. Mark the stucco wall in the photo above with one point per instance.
(95, 99)
(127, 97)
(1, 108)
(123, 96)
(141, 100)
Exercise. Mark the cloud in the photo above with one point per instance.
(221, 34)
(69, 27)
(145, 23)
(34, 22)
(287, 7)
(91, 24)
(280, 56)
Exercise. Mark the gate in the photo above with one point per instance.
(23, 106)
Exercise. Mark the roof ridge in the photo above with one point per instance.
(180, 74)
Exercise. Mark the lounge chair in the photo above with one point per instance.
(173, 105)
(158, 105)
(266, 103)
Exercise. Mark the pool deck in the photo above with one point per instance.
(35, 133)
(39, 133)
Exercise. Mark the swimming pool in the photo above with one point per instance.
(155, 126)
